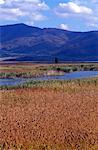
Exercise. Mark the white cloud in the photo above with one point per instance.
(64, 26)
(73, 10)
(86, 11)
(1, 1)
(71, 7)
(38, 17)
(84, 2)
(29, 10)
(93, 25)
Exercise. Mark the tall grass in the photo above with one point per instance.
(31, 70)
(50, 115)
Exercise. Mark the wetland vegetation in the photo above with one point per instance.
(49, 115)
(35, 70)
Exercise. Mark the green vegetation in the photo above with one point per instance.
(53, 83)
(16, 75)
(76, 67)
(30, 70)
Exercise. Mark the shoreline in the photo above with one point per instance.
(47, 62)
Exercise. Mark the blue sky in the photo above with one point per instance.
(76, 15)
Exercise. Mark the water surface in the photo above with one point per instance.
(67, 76)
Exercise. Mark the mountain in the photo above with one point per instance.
(25, 43)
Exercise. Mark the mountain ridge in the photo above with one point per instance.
(44, 44)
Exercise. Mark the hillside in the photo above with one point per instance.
(22, 42)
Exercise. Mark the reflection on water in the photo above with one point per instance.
(67, 76)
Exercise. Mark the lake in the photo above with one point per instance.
(67, 76)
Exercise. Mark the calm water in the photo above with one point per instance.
(68, 76)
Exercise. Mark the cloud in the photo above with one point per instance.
(76, 13)
(27, 10)
(64, 26)
(93, 25)
(1, 1)
(76, 10)
(71, 8)
(84, 2)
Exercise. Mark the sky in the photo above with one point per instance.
(73, 15)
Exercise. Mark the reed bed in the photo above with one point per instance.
(54, 116)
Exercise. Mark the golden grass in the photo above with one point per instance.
(36, 69)
(21, 68)
(59, 117)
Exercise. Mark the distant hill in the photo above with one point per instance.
(26, 43)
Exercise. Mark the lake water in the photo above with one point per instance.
(67, 76)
